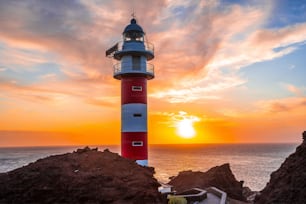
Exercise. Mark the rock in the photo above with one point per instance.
(287, 185)
(84, 176)
(249, 194)
(219, 176)
(85, 149)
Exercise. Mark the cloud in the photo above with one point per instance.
(295, 90)
(61, 28)
(235, 40)
(293, 105)
(282, 37)
(72, 34)
(21, 59)
(173, 118)
(208, 88)
(261, 45)
(61, 92)
(200, 46)
(194, 56)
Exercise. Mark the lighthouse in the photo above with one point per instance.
(133, 70)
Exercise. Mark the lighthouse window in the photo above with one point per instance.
(136, 88)
(133, 36)
(137, 114)
(136, 62)
(137, 143)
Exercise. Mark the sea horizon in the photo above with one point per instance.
(154, 144)
(252, 163)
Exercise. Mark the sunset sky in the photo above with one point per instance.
(232, 71)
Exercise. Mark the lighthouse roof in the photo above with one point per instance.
(133, 27)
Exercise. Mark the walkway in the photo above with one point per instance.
(211, 199)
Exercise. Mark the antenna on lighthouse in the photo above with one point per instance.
(133, 14)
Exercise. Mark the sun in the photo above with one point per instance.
(185, 128)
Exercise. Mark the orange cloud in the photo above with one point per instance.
(185, 54)
(293, 89)
(295, 105)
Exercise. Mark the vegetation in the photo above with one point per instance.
(177, 200)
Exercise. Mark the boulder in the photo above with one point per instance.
(84, 176)
(219, 176)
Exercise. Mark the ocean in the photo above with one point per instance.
(252, 163)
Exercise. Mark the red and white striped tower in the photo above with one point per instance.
(133, 71)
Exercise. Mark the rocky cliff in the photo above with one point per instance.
(287, 185)
(219, 176)
(84, 176)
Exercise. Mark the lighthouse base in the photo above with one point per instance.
(134, 146)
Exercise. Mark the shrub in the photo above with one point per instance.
(177, 200)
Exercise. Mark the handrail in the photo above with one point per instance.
(129, 68)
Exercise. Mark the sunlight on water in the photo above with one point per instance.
(252, 163)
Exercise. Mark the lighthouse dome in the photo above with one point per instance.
(133, 27)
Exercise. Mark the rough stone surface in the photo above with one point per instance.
(84, 176)
(219, 176)
(249, 194)
(287, 185)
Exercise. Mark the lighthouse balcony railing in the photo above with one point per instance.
(147, 45)
(131, 69)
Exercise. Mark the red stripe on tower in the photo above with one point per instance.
(132, 141)
(133, 71)
(134, 90)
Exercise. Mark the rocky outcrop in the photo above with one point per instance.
(84, 176)
(287, 185)
(219, 176)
